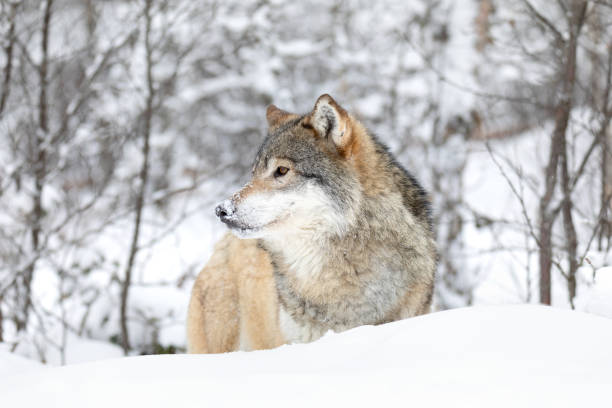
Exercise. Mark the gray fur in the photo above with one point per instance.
(387, 251)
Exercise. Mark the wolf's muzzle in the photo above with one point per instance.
(225, 211)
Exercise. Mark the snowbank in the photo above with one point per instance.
(597, 298)
(12, 364)
(507, 356)
(76, 350)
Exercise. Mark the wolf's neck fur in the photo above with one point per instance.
(330, 280)
(310, 276)
(338, 282)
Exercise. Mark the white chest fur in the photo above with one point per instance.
(295, 333)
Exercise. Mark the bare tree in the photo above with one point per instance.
(39, 136)
(555, 233)
(39, 166)
(603, 137)
(558, 161)
(143, 177)
(8, 51)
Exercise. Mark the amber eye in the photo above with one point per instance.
(280, 171)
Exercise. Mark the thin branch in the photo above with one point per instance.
(487, 95)
(8, 67)
(515, 192)
(85, 90)
(558, 37)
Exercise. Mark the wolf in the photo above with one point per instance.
(330, 233)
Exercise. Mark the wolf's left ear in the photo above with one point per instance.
(277, 117)
(331, 121)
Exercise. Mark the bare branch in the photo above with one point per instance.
(144, 176)
(8, 66)
(558, 37)
(515, 192)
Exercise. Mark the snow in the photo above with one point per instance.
(506, 356)
(76, 350)
(371, 106)
(300, 48)
(597, 299)
(12, 364)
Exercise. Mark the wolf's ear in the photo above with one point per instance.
(277, 117)
(332, 122)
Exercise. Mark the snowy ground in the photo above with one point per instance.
(497, 356)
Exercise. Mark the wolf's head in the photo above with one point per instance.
(304, 177)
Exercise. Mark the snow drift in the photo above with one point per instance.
(506, 356)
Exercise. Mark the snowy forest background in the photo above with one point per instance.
(123, 122)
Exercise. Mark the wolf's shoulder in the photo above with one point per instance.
(414, 196)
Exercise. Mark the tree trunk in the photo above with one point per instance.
(8, 66)
(39, 165)
(571, 241)
(144, 175)
(558, 157)
(1, 322)
(605, 224)
(482, 22)
(547, 219)
(576, 20)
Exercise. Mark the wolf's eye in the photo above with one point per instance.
(280, 171)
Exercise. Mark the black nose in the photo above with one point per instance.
(225, 210)
(220, 211)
